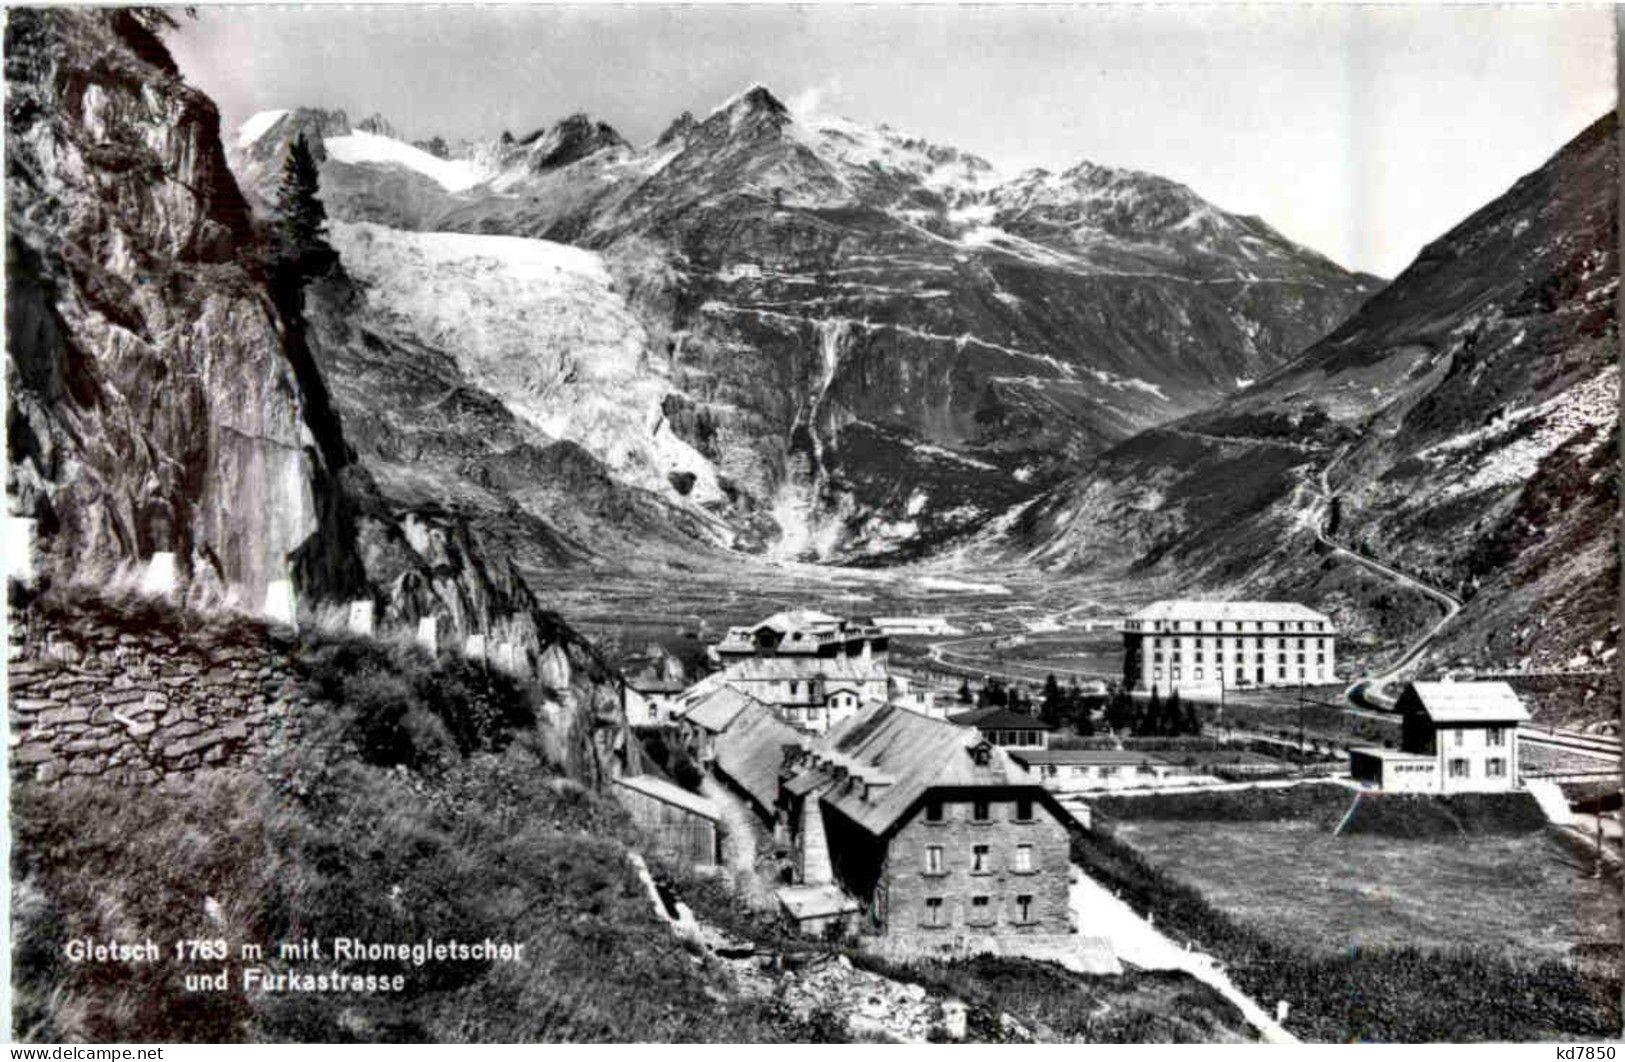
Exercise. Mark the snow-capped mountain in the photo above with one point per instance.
(875, 343)
(1468, 415)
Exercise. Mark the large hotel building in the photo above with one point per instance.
(1189, 645)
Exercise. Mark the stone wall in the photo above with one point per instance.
(90, 696)
(908, 883)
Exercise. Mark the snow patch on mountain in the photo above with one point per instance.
(359, 148)
(257, 126)
(539, 325)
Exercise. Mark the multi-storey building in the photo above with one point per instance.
(1208, 645)
(946, 844)
(1456, 737)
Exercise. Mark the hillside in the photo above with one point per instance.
(872, 343)
(1466, 418)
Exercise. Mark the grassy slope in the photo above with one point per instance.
(1338, 992)
(399, 816)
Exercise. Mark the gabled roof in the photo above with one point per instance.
(751, 752)
(913, 754)
(1229, 610)
(1089, 757)
(716, 708)
(797, 619)
(830, 669)
(996, 717)
(665, 792)
(1464, 702)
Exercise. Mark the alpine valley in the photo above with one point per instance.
(801, 337)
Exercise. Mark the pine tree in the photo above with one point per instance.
(1147, 723)
(301, 219)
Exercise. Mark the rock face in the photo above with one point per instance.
(164, 399)
(875, 343)
(152, 404)
(1468, 415)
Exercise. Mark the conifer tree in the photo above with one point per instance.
(301, 219)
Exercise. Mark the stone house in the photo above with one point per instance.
(945, 843)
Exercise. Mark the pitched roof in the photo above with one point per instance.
(751, 752)
(997, 717)
(664, 791)
(797, 619)
(909, 752)
(1466, 702)
(830, 669)
(1108, 757)
(1229, 610)
(715, 708)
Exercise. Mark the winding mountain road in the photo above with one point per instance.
(1373, 690)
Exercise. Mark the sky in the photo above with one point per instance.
(1362, 131)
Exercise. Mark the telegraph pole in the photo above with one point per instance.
(1300, 712)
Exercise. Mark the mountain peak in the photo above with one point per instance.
(571, 139)
(755, 102)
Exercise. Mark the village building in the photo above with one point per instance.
(1006, 728)
(748, 753)
(684, 825)
(812, 693)
(947, 845)
(916, 625)
(1206, 646)
(651, 701)
(1456, 737)
(704, 711)
(804, 633)
(1094, 770)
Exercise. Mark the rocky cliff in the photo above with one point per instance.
(1466, 418)
(164, 397)
(874, 342)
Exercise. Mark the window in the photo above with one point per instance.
(981, 811)
(1198, 674)
(933, 811)
(981, 910)
(795, 688)
(1459, 736)
(933, 859)
(933, 910)
(1024, 858)
(1495, 768)
(1458, 769)
(1496, 736)
(979, 859)
(1024, 809)
(1024, 908)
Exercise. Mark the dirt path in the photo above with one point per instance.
(1137, 941)
(739, 844)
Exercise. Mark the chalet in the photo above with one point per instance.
(1006, 728)
(1208, 645)
(683, 824)
(1456, 737)
(946, 844)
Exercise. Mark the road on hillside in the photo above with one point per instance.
(1373, 689)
